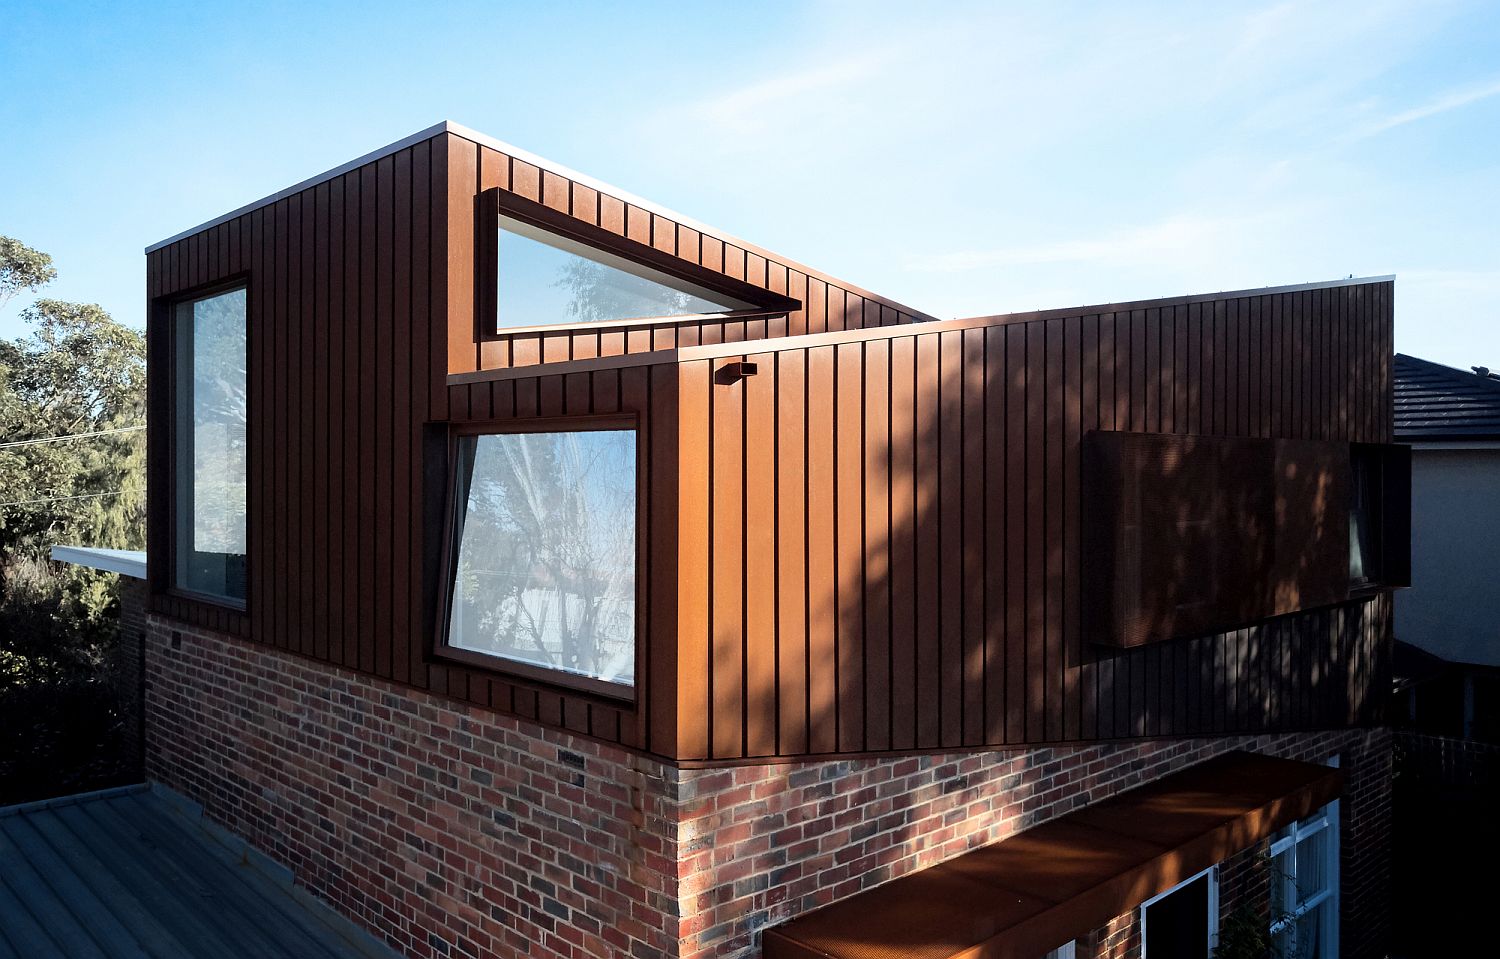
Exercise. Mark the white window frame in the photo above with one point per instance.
(1212, 872)
(1065, 951)
(1326, 818)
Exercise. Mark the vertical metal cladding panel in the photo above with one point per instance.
(933, 531)
(345, 367)
(1190, 534)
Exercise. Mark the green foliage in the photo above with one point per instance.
(77, 372)
(1244, 935)
(22, 268)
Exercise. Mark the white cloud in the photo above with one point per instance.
(1452, 100)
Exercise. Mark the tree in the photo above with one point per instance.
(22, 268)
(72, 456)
(78, 373)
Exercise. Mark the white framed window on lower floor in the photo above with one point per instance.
(1305, 887)
(1183, 922)
(1065, 951)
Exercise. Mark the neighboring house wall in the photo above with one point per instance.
(453, 831)
(1453, 606)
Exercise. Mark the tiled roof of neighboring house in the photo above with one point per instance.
(1436, 402)
(136, 872)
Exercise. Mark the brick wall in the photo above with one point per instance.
(127, 669)
(761, 844)
(452, 831)
(447, 830)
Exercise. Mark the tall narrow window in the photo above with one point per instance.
(545, 279)
(1364, 487)
(209, 444)
(1304, 887)
(543, 562)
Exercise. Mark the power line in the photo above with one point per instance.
(68, 436)
(62, 499)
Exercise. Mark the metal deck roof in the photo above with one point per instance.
(1436, 402)
(136, 872)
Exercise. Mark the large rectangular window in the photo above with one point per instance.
(209, 445)
(543, 555)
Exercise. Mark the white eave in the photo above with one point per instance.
(126, 562)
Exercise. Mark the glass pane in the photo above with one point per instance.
(546, 551)
(1361, 505)
(546, 279)
(1312, 865)
(1177, 924)
(1310, 933)
(210, 439)
(1283, 883)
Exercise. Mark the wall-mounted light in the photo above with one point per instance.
(733, 372)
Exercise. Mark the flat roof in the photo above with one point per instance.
(126, 562)
(802, 341)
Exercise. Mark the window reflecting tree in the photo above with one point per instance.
(546, 551)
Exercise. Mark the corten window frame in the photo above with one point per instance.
(162, 577)
(615, 694)
(492, 204)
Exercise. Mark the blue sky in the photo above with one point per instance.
(964, 159)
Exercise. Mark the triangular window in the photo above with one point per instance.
(545, 279)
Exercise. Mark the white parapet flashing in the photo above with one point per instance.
(126, 562)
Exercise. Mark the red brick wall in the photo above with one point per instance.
(761, 844)
(445, 829)
(452, 831)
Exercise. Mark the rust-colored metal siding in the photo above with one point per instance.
(473, 168)
(923, 560)
(347, 361)
(871, 544)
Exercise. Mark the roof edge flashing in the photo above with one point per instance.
(126, 562)
(395, 146)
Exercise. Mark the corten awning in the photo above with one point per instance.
(1050, 884)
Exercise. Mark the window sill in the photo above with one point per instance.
(614, 693)
(207, 599)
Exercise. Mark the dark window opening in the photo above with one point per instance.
(1364, 517)
(1179, 924)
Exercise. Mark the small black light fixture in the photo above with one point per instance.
(733, 372)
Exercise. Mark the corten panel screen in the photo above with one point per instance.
(1191, 534)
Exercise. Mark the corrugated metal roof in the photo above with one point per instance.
(136, 872)
(1436, 402)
